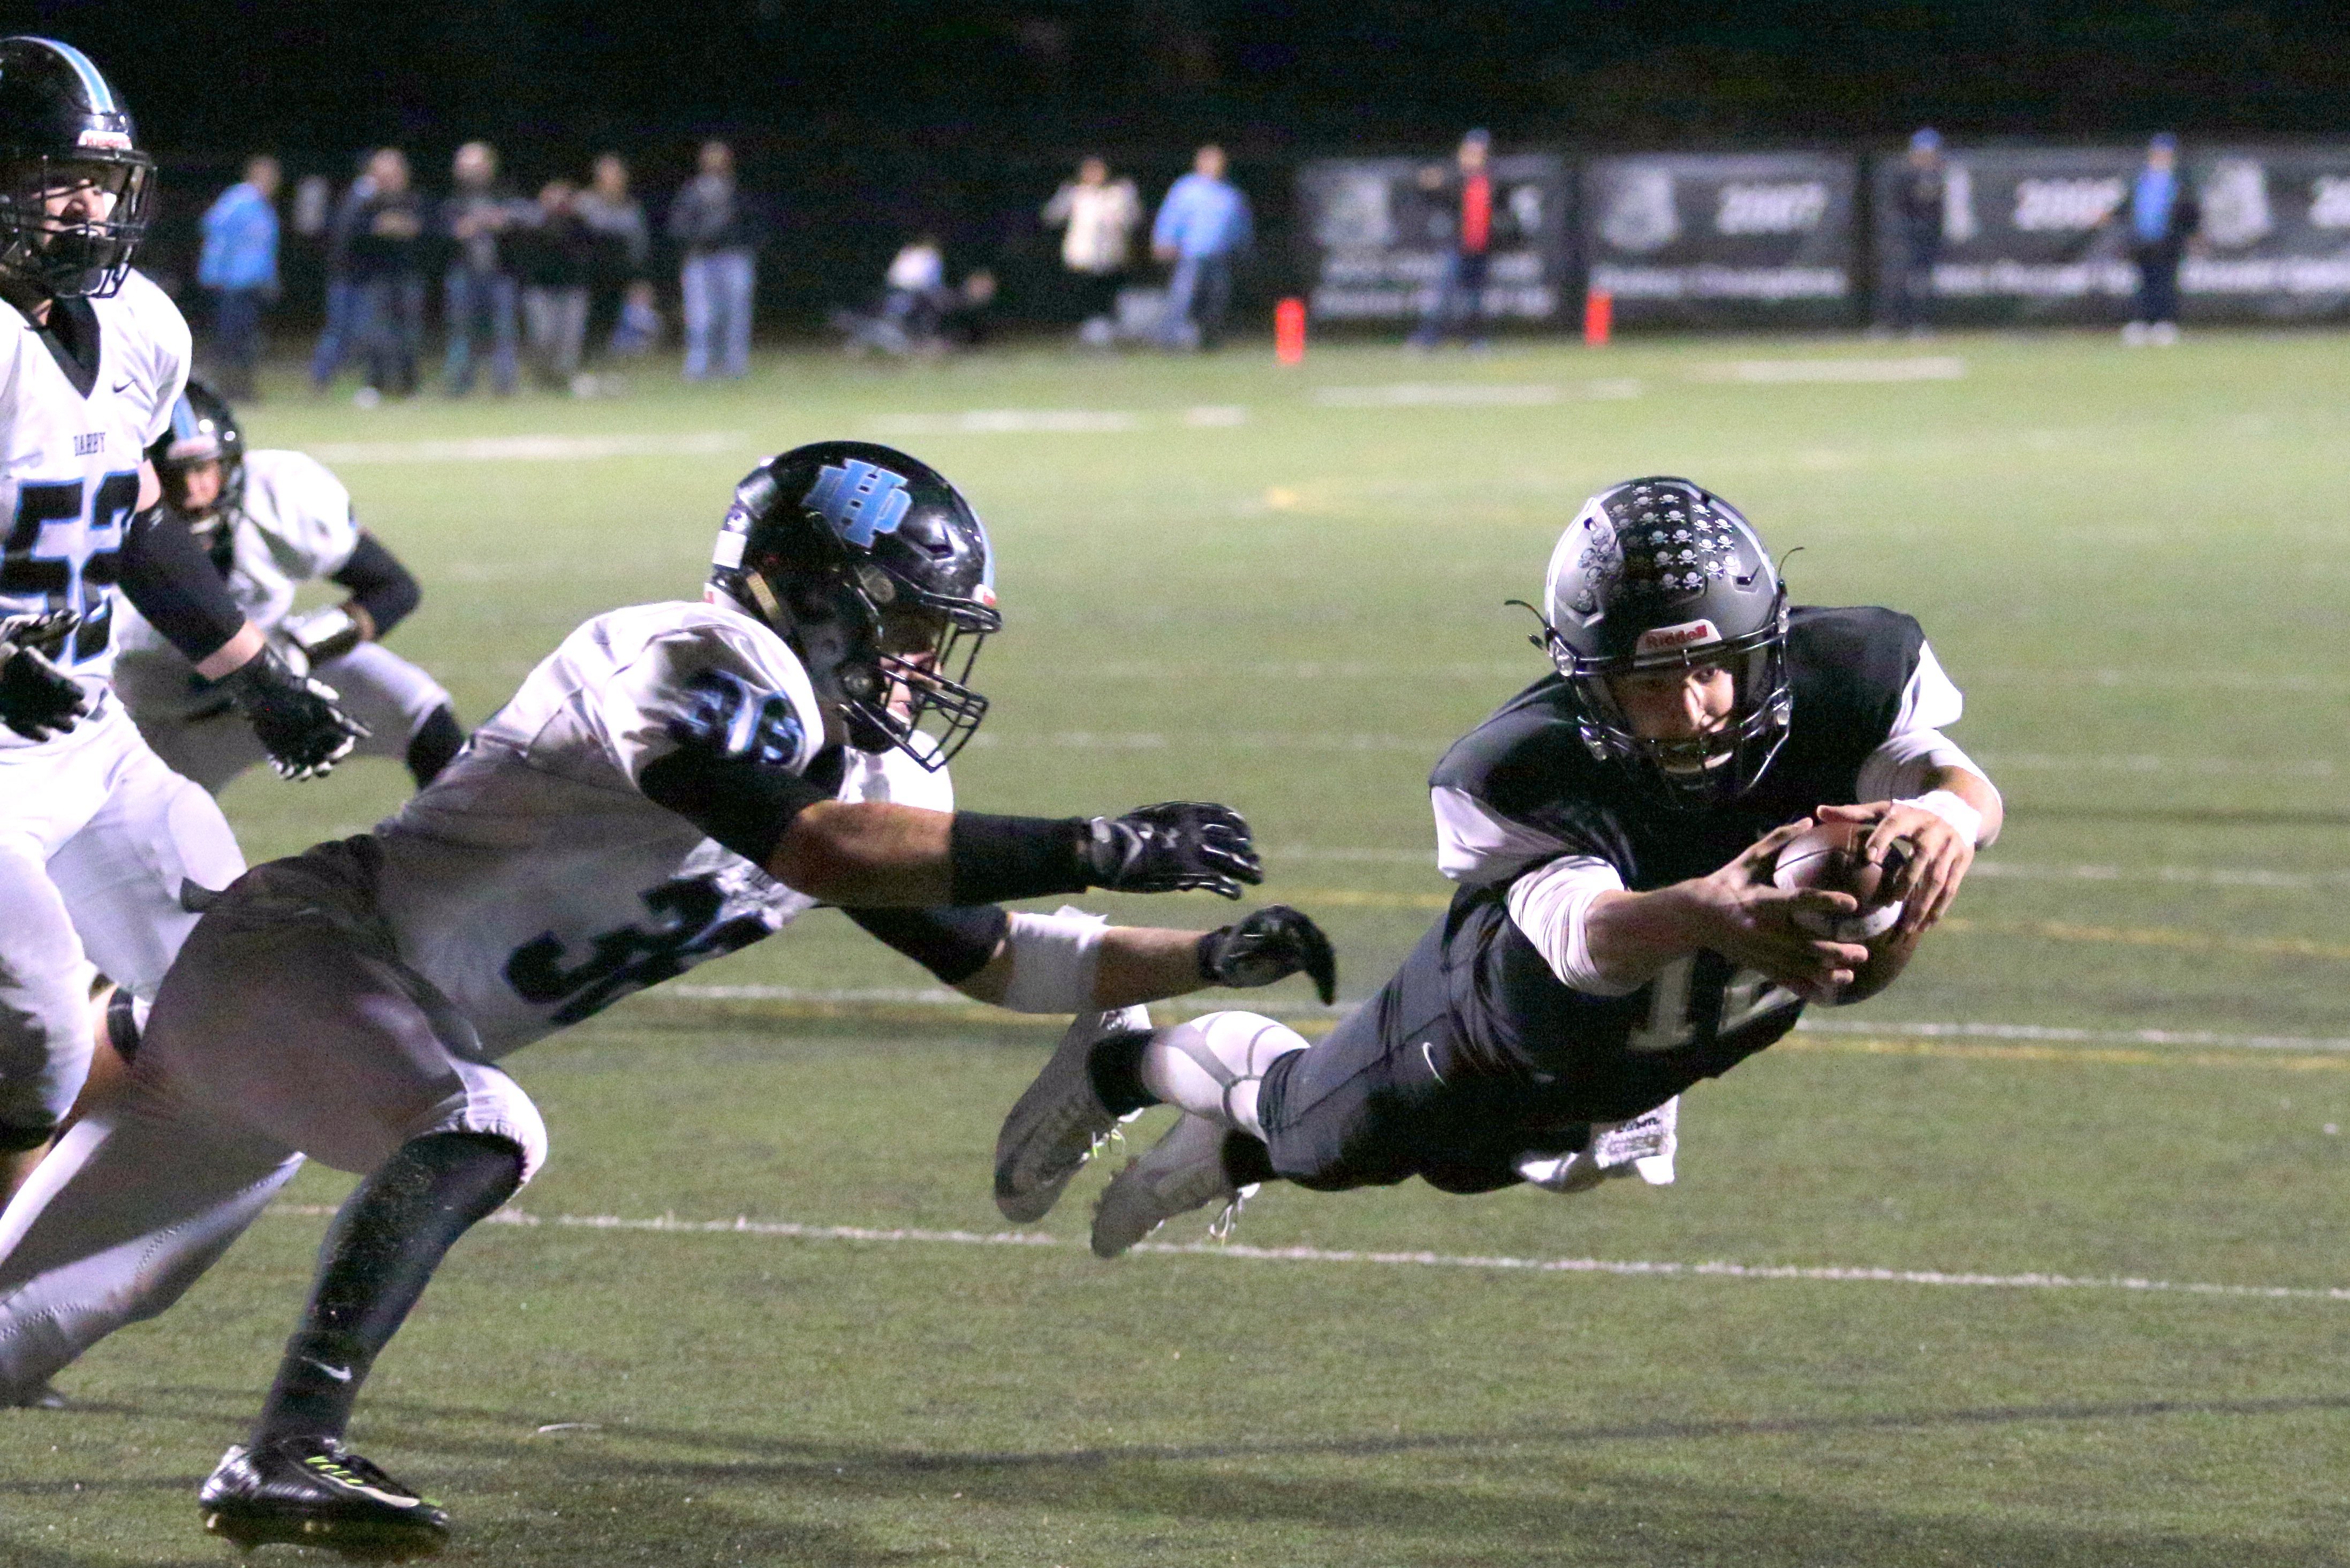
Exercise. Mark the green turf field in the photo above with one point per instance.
(2123, 1066)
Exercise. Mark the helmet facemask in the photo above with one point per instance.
(73, 252)
(1707, 769)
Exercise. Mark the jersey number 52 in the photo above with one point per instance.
(64, 544)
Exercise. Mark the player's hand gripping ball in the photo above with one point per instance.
(1828, 857)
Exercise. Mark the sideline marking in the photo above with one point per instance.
(781, 1229)
(1779, 372)
(1010, 422)
(532, 447)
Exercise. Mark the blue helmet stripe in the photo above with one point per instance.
(93, 81)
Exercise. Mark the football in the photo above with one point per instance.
(1828, 857)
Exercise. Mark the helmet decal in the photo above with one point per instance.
(860, 500)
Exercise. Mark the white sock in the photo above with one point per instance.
(1213, 1066)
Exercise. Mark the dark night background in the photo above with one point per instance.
(861, 121)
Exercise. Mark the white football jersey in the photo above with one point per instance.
(69, 464)
(293, 524)
(533, 882)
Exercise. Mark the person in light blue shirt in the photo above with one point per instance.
(2162, 217)
(1204, 227)
(239, 269)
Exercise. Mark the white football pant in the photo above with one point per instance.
(289, 1028)
(98, 840)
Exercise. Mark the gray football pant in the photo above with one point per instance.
(289, 1028)
(97, 840)
(382, 690)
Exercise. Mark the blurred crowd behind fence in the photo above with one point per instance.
(1795, 238)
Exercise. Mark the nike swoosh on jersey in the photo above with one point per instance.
(339, 1374)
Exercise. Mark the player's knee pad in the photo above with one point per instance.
(490, 1103)
(1214, 1064)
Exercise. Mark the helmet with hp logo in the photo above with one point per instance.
(880, 575)
(1655, 580)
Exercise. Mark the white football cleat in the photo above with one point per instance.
(1182, 1171)
(1055, 1127)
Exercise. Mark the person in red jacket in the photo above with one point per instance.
(1458, 306)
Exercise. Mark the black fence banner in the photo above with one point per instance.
(2042, 234)
(1377, 230)
(1726, 239)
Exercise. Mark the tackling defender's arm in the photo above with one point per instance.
(1070, 961)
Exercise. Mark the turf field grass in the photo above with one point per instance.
(1282, 589)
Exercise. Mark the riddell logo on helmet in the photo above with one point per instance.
(103, 141)
(1670, 638)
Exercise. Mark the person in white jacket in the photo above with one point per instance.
(1096, 215)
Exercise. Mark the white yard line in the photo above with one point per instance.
(533, 448)
(1281, 1007)
(1010, 422)
(1780, 372)
(1473, 394)
(790, 1231)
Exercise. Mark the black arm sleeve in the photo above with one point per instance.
(998, 857)
(741, 802)
(953, 943)
(379, 584)
(167, 577)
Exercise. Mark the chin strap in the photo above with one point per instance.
(765, 595)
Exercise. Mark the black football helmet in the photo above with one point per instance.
(62, 129)
(203, 430)
(1659, 574)
(881, 576)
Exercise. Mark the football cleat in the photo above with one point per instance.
(40, 1396)
(1181, 1172)
(313, 1492)
(1055, 1127)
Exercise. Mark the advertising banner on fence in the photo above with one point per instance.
(1729, 239)
(1378, 230)
(2037, 233)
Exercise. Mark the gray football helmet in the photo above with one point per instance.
(1660, 574)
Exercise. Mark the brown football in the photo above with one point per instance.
(1827, 856)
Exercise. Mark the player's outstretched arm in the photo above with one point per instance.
(1736, 912)
(1071, 963)
(1957, 813)
(165, 574)
(876, 855)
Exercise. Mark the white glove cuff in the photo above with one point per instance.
(1054, 958)
(1964, 819)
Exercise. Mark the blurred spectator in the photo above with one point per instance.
(339, 338)
(1097, 216)
(478, 290)
(711, 224)
(914, 299)
(387, 275)
(1204, 227)
(623, 245)
(638, 331)
(553, 256)
(2163, 217)
(1459, 303)
(239, 269)
(968, 320)
(1917, 234)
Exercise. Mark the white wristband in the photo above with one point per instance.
(1964, 819)
(1052, 960)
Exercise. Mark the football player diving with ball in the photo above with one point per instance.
(1616, 936)
(675, 782)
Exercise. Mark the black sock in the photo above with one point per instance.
(1116, 1068)
(379, 1255)
(437, 740)
(1247, 1161)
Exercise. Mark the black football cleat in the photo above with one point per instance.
(313, 1492)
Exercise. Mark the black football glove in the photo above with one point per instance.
(38, 699)
(1272, 944)
(294, 716)
(1171, 849)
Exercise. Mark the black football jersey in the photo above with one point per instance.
(1606, 1058)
